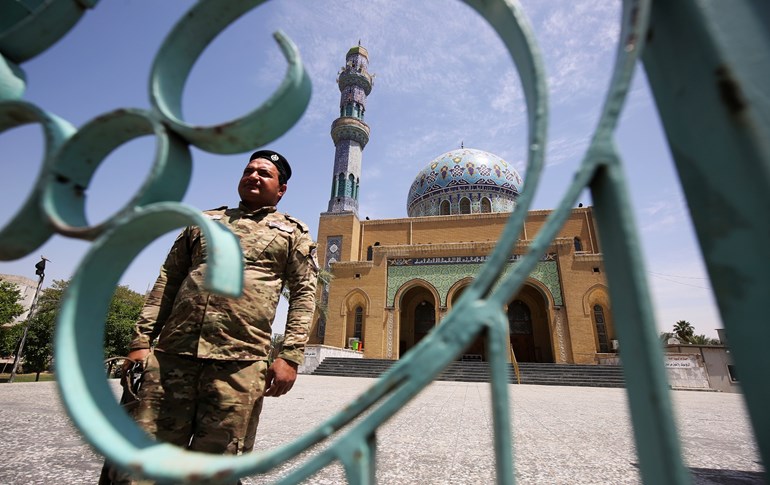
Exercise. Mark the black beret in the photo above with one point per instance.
(278, 160)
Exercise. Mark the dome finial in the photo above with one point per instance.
(462, 144)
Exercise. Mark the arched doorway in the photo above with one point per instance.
(476, 350)
(528, 326)
(520, 328)
(417, 317)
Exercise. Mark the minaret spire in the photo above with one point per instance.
(349, 132)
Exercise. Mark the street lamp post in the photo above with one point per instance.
(40, 272)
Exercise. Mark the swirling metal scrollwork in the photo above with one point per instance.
(54, 205)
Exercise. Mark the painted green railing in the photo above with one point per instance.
(707, 64)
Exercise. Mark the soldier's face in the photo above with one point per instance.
(259, 185)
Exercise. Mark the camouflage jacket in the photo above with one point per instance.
(187, 320)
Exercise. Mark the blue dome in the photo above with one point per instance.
(486, 181)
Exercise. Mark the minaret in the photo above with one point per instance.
(349, 132)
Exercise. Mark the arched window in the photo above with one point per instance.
(601, 329)
(369, 253)
(358, 323)
(444, 209)
(465, 206)
(578, 245)
(340, 185)
(486, 205)
(351, 185)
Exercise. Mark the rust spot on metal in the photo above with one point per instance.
(729, 91)
(357, 455)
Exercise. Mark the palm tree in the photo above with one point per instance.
(703, 340)
(684, 330)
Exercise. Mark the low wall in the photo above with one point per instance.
(718, 364)
(686, 371)
(315, 354)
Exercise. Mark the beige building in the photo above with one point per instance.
(396, 279)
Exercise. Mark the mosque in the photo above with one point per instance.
(396, 279)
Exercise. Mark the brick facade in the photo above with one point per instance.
(388, 268)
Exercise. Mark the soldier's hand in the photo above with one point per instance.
(280, 377)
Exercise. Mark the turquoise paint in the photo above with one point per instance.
(725, 99)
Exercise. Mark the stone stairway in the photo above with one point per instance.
(531, 373)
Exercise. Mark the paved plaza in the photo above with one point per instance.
(562, 435)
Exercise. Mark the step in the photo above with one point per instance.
(472, 371)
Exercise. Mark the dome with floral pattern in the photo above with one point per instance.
(464, 181)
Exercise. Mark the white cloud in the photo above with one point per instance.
(664, 213)
(564, 149)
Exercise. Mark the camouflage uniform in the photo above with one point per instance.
(187, 320)
(206, 376)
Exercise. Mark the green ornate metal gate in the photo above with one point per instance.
(708, 68)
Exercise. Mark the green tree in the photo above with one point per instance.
(123, 312)
(9, 339)
(10, 302)
(10, 308)
(703, 340)
(125, 307)
(684, 330)
(38, 348)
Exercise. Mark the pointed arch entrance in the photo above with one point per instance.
(528, 326)
(477, 350)
(417, 317)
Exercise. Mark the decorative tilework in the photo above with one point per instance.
(333, 245)
(463, 172)
(350, 133)
(390, 326)
(443, 276)
(560, 335)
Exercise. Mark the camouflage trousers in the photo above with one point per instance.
(203, 405)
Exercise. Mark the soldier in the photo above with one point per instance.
(208, 371)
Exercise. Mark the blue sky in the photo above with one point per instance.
(442, 77)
